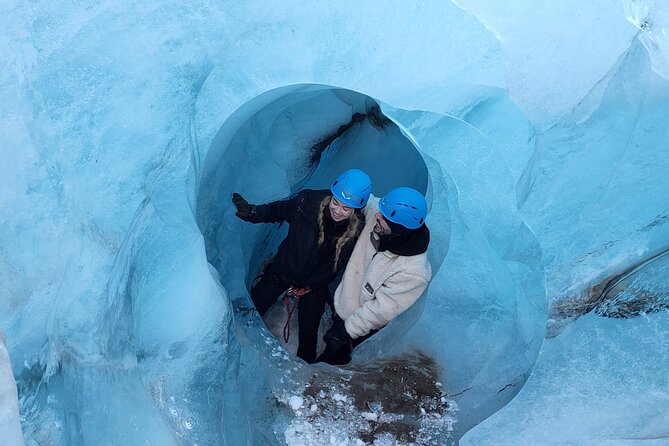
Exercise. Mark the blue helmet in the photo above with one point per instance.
(404, 206)
(352, 188)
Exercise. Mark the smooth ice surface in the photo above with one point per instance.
(555, 51)
(602, 382)
(537, 131)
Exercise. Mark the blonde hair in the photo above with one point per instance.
(351, 229)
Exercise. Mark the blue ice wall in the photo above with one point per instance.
(539, 135)
(488, 286)
(599, 379)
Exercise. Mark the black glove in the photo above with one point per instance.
(337, 344)
(244, 209)
(337, 334)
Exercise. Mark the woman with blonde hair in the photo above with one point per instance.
(323, 228)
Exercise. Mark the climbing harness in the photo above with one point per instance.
(292, 293)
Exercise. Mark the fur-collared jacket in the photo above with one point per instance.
(378, 285)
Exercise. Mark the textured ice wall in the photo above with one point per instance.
(554, 52)
(652, 18)
(97, 96)
(92, 95)
(97, 267)
(498, 288)
(600, 380)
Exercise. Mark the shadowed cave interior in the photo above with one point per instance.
(282, 142)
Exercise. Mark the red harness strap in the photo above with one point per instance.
(296, 293)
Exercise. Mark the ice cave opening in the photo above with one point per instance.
(276, 141)
(285, 140)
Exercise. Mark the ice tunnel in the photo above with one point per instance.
(302, 136)
(173, 342)
(537, 131)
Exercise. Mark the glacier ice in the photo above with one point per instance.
(538, 133)
(502, 275)
(603, 381)
(599, 378)
(652, 18)
(556, 51)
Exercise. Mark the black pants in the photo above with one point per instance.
(310, 310)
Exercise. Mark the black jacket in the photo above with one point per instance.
(299, 260)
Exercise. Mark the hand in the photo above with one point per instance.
(337, 344)
(337, 334)
(244, 209)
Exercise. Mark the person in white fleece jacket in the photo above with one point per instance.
(387, 272)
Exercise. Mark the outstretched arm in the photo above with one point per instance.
(274, 212)
(245, 210)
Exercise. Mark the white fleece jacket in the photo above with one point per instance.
(378, 286)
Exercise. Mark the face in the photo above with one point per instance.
(339, 211)
(381, 227)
